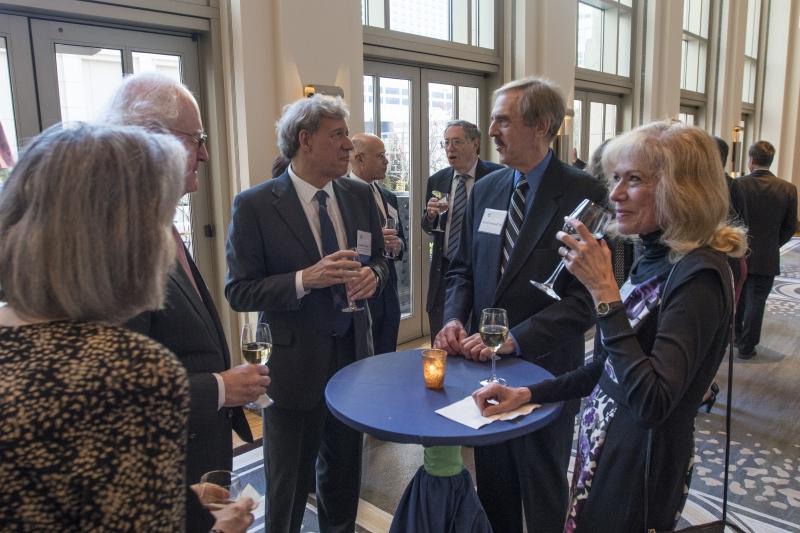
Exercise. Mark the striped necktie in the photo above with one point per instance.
(516, 214)
(457, 216)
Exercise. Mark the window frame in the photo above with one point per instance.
(385, 45)
(601, 76)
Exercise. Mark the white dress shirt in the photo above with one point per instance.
(305, 192)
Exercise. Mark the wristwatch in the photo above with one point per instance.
(603, 309)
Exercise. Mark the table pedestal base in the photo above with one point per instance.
(441, 497)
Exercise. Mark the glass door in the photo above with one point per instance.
(391, 103)
(78, 67)
(597, 119)
(409, 107)
(19, 117)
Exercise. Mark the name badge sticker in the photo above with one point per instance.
(492, 221)
(364, 243)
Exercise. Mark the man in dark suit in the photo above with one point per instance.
(368, 164)
(189, 324)
(508, 239)
(462, 144)
(738, 208)
(772, 210)
(289, 258)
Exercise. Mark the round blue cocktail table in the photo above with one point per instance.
(385, 396)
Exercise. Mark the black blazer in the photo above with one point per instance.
(269, 240)
(385, 307)
(772, 212)
(549, 332)
(442, 181)
(190, 327)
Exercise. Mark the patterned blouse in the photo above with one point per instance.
(92, 430)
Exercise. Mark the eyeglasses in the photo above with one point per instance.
(456, 143)
(199, 138)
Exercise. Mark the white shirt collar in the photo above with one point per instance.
(471, 173)
(306, 191)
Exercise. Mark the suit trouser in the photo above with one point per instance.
(528, 472)
(385, 324)
(436, 308)
(750, 312)
(304, 447)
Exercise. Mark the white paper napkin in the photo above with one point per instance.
(264, 401)
(250, 492)
(466, 412)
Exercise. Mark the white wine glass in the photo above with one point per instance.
(596, 218)
(443, 205)
(390, 224)
(494, 332)
(352, 305)
(224, 479)
(256, 349)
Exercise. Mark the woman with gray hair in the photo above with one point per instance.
(660, 338)
(93, 415)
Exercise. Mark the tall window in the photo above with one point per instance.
(695, 45)
(460, 21)
(751, 51)
(604, 36)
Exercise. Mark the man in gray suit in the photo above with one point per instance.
(772, 211)
(189, 324)
(289, 258)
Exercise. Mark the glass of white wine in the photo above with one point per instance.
(596, 218)
(494, 332)
(444, 203)
(256, 349)
(352, 305)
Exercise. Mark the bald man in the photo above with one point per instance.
(368, 163)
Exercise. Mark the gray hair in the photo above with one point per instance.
(541, 103)
(470, 130)
(148, 99)
(306, 114)
(85, 222)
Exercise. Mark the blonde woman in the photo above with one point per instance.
(93, 416)
(660, 338)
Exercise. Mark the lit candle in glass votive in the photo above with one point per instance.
(434, 363)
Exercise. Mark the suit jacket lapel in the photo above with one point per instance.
(210, 316)
(184, 284)
(494, 198)
(341, 188)
(288, 206)
(537, 218)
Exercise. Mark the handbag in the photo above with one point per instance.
(717, 526)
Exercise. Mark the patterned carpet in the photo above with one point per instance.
(764, 493)
(764, 490)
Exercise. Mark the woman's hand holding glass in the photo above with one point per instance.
(589, 260)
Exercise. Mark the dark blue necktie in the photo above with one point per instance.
(330, 244)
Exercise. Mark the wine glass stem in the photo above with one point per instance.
(552, 279)
(494, 358)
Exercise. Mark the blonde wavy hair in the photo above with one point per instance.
(691, 195)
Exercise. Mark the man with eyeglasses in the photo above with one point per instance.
(189, 324)
(462, 144)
